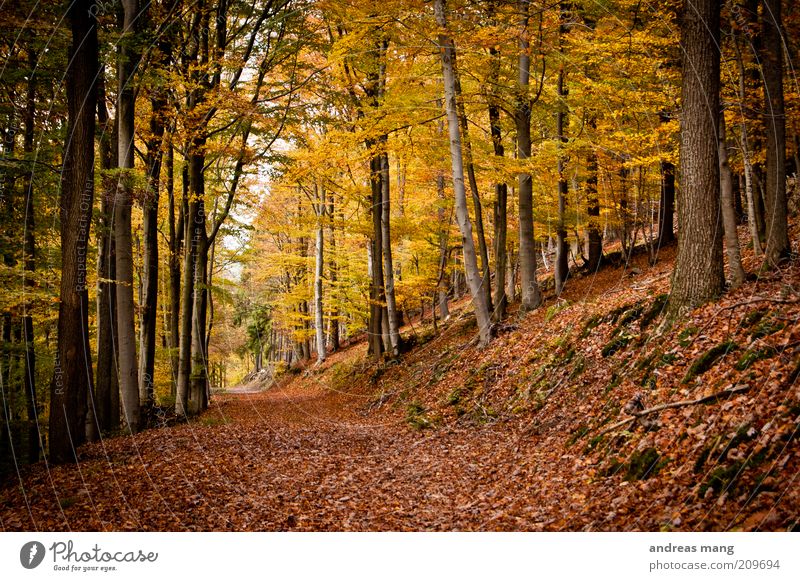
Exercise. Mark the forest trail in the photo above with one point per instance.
(287, 458)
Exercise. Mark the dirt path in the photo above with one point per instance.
(289, 458)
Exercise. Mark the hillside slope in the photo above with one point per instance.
(531, 433)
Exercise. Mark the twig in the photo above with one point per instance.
(677, 404)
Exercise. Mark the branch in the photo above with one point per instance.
(677, 404)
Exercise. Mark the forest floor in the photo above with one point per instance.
(527, 434)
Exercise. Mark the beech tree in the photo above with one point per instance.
(698, 275)
(72, 377)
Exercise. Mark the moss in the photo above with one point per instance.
(708, 359)
(416, 416)
(643, 464)
(590, 324)
(67, 501)
(578, 367)
(613, 467)
(722, 478)
(617, 343)
(658, 306)
(593, 444)
(765, 328)
(577, 434)
(554, 309)
(454, 397)
(619, 311)
(752, 355)
(616, 379)
(753, 317)
(685, 336)
(668, 358)
(631, 314)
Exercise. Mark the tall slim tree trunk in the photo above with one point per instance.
(474, 279)
(176, 230)
(483, 250)
(186, 302)
(388, 266)
(698, 275)
(106, 397)
(319, 265)
(500, 194)
(775, 206)
(123, 202)
(29, 266)
(531, 297)
(593, 209)
(728, 211)
(561, 269)
(333, 272)
(753, 218)
(72, 377)
(376, 252)
(149, 307)
(197, 375)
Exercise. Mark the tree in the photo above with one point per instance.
(72, 377)
(474, 279)
(698, 275)
(777, 243)
(531, 298)
(123, 203)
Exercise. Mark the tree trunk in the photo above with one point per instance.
(483, 251)
(29, 266)
(197, 375)
(500, 195)
(149, 307)
(333, 273)
(376, 252)
(728, 211)
(176, 231)
(106, 395)
(775, 206)
(319, 264)
(474, 278)
(698, 275)
(593, 209)
(388, 267)
(186, 303)
(72, 377)
(123, 202)
(531, 298)
(562, 248)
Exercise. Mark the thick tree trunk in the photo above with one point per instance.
(698, 275)
(531, 297)
(72, 378)
(474, 279)
(197, 376)
(123, 202)
(728, 211)
(775, 206)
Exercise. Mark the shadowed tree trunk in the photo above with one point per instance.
(593, 209)
(106, 397)
(775, 207)
(561, 269)
(72, 377)
(728, 211)
(123, 202)
(698, 275)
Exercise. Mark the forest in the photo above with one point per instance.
(399, 265)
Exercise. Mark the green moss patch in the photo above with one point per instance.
(708, 359)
